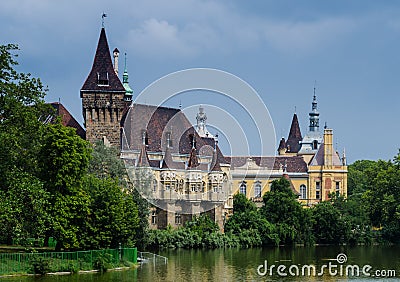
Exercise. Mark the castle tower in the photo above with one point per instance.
(313, 139)
(125, 82)
(314, 115)
(102, 94)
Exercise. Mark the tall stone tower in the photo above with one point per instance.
(102, 94)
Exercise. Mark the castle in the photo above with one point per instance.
(181, 168)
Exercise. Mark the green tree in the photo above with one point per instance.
(23, 211)
(105, 162)
(329, 227)
(64, 159)
(247, 223)
(282, 209)
(21, 111)
(113, 218)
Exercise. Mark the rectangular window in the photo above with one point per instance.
(178, 219)
(153, 218)
(337, 185)
(193, 187)
(317, 189)
(215, 187)
(167, 186)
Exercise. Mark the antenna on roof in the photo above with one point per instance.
(315, 86)
(180, 104)
(295, 109)
(104, 15)
(59, 100)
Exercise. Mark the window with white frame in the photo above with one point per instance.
(178, 219)
(153, 217)
(243, 188)
(257, 189)
(303, 191)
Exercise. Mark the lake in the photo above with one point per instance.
(242, 264)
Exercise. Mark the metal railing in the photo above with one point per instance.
(14, 263)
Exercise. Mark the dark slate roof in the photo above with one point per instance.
(318, 159)
(102, 69)
(210, 152)
(66, 119)
(215, 164)
(143, 158)
(169, 163)
(157, 121)
(293, 163)
(294, 138)
(282, 144)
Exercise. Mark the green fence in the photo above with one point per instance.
(65, 261)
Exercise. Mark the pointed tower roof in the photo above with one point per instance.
(167, 160)
(282, 144)
(294, 137)
(143, 157)
(102, 77)
(193, 162)
(215, 163)
(286, 176)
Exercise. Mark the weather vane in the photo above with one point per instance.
(104, 15)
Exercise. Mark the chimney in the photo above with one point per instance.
(116, 55)
(328, 147)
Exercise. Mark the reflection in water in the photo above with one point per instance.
(241, 265)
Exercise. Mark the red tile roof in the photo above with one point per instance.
(66, 119)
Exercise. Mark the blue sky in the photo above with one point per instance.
(350, 48)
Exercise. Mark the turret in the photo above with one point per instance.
(116, 55)
(125, 82)
(314, 115)
(103, 97)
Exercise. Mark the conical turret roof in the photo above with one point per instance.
(102, 77)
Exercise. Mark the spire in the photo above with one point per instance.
(193, 161)
(344, 160)
(102, 76)
(314, 114)
(201, 118)
(294, 138)
(125, 79)
(282, 146)
(167, 160)
(143, 160)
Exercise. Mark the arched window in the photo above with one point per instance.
(242, 188)
(303, 191)
(257, 189)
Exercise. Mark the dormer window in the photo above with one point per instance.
(102, 80)
(145, 138)
(315, 145)
(169, 140)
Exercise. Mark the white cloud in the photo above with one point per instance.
(306, 36)
(159, 38)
